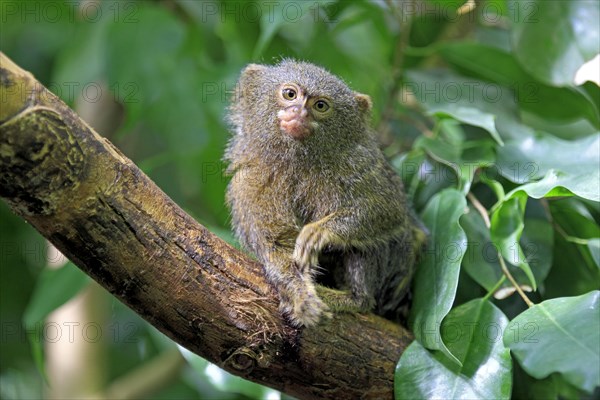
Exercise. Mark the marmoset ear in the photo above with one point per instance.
(252, 70)
(364, 102)
(249, 83)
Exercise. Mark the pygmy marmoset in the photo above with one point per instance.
(312, 195)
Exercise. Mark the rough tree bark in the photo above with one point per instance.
(110, 219)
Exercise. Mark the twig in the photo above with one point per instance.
(480, 208)
(495, 288)
(513, 281)
(486, 219)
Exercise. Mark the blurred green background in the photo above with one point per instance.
(155, 78)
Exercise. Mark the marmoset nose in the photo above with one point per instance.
(300, 111)
(295, 121)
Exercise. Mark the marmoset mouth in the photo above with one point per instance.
(295, 122)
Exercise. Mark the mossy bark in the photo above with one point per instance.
(110, 219)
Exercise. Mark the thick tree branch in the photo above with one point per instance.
(109, 218)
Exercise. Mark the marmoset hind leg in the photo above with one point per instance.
(362, 281)
(377, 279)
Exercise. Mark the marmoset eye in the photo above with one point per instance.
(321, 106)
(289, 94)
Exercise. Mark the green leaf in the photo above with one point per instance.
(473, 333)
(553, 39)
(556, 184)
(531, 158)
(494, 185)
(537, 243)
(489, 106)
(87, 46)
(594, 246)
(444, 94)
(476, 117)
(54, 288)
(408, 167)
(463, 157)
(481, 259)
(361, 35)
(437, 275)
(553, 387)
(498, 66)
(292, 19)
(271, 23)
(423, 177)
(574, 271)
(564, 167)
(559, 335)
(574, 218)
(505, 231)
(153, 42)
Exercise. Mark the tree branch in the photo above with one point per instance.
(110, 219)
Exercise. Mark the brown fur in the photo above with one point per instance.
(331, 195)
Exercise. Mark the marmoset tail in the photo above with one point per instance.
(313, 197)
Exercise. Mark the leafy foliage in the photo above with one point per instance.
(497, 145)
(569, 323)
(434, 298)
(481, 369)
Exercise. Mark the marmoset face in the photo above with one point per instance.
(301, 111)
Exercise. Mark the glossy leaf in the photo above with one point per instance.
(572, 27)
(506, 228)
(560, 335)
(463, 157)
(574, 218)
(574, 271)
(553, 387)
(537, 241)
(437, 275)
(472, 332)
(445, 94)
(481, 259)
(553, 167)
(424, 177)
(499, 66)
(556, 184)
(408, 167)
(489, 106)
(533, 157)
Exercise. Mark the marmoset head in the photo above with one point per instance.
(300, 100)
